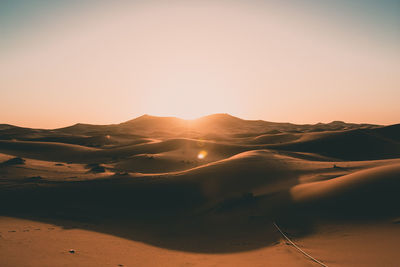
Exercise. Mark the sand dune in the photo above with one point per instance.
(385, 178)
(45, 150)
(275, 138)
(360, 144)
(201, 190)
(374, 190)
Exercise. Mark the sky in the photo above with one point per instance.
(101, 62)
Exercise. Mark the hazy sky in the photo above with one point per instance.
(309, 61)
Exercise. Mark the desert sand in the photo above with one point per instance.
(162, 191)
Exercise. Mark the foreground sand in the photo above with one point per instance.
(48, 245)
(372, 244)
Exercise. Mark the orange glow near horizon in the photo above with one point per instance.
(109, 63)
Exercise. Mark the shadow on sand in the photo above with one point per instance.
(168, 214)
(173, 214)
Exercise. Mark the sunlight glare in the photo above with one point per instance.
(202, 154)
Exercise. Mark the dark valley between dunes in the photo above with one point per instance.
(215, 191)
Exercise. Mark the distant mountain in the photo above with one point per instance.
(147, 124)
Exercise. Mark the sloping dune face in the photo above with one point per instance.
(204, 185)
(374, 187)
